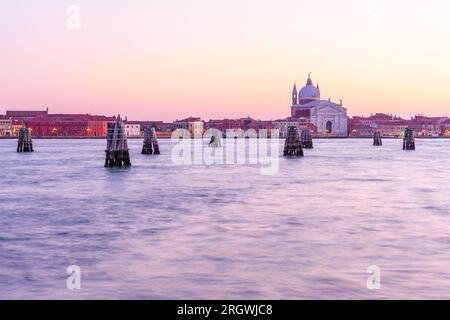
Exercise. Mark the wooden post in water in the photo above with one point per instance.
(24, 142)
(151, 145)
(117, 152)
(409, 143)
(215, 141)
(307, 142)
(293, 144)
(155, 142)
(377, 141)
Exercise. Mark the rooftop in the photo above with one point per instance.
(25, 114)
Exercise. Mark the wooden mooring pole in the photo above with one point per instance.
(377, 141)
(307, 142)
(24, 142)
(151, 145)
(117, 152)
(293, 144)
(409, 142)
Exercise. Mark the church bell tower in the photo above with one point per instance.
(294, 95)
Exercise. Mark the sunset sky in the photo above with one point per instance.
(169, 59)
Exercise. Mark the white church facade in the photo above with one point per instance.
(328, 117)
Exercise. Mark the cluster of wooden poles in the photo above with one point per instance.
(150, 142)
(409, 142)
(295, 142)
(24, 142)
(117, 152)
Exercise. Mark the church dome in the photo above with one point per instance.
(309, 91)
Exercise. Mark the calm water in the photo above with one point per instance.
(162, 231)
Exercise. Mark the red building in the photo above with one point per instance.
(75, 125)
(43, 124)
(223, 125)
(26, 115)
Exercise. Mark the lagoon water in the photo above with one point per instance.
(160, 231)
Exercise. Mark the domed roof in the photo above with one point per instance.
(309, 91)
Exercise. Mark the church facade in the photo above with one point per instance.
(328, 117)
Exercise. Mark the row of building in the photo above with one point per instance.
(44, 124)
(328, 118)
(394, 126)
(323, 118)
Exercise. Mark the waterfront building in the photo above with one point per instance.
(328, 117)
(43, 124)
(223, 125)
(5, 126)
(16, 125)
(237, 127)
(26, 115)
(97, 126)
(428, 126)
(163, 129)
(158, 125)
(394, 126)
(300, 123)
(195, 126)
(445, 128)
(132, 129)
(386, 124)
(70, 125)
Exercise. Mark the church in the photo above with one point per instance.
(328, 117)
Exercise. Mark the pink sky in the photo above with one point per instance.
(170, 59)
